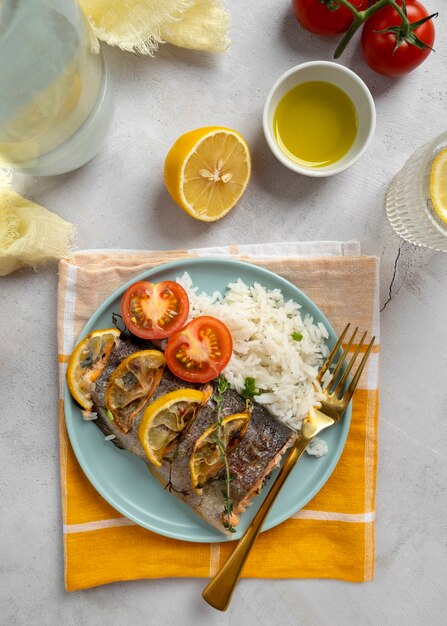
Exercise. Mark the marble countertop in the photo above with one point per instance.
(119, 201)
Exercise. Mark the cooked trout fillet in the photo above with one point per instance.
(258, 452)
(250, 462)
(129, 441)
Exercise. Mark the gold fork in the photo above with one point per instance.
(219, 591)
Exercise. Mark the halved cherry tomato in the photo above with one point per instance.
(200, 351)
(154, 311)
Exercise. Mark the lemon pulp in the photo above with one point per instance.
(315, 124)
(165, 418)
(438, 185)
(206, 458)
(87, 362)
(207, 170)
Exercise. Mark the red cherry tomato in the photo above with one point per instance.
(154, 311)
(317, 18)
(200, 351)
(379, 50)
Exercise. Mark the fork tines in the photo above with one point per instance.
(335, 386)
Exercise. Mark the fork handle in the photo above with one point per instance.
(220, 589)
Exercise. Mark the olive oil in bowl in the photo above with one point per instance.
(315, 124)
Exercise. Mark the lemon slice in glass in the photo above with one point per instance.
(86, 363)
(165, 418)
(438, 185)
(132, 384)
(207, 170)
(207, 457)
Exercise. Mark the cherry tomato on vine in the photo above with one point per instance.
(317, 18)
(379, 49)
(200, 351)
(154, 311)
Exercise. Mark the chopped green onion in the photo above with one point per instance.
(250, 390)
(297, 336)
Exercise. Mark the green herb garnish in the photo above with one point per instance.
(297, 336)
(250, 390)
(222, 386)
(110, 415)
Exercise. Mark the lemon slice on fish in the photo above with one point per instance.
(87, 361)
(207, 457)
(132, 384)
(165, 418)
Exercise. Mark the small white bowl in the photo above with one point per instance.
(346, 80)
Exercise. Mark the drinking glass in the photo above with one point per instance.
(55, 96)
(408, 203)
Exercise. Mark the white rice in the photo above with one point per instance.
(89, 416)
(261, 323)
(317, 447)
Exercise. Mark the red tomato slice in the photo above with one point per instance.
(154, 311)
(200, 351)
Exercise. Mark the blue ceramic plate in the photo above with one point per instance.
(124, 480)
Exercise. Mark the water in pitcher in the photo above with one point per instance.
(409, 203)
(55, 101)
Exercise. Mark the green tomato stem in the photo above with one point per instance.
(358, 21)
(349, 6)
(361, 16)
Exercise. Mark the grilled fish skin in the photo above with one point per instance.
(257, 454)
(250, 462)
(128, 441)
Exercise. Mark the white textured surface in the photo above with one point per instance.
(119, 201)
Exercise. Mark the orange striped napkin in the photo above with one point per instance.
(333, 536)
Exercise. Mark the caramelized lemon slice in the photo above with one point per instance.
(438, 185)
(207, 170)
(165, 418)
(86, 363)
(132, 384)
(207, 457)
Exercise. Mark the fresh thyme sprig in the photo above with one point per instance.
(222, 386)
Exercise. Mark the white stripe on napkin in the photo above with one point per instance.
(99, 525)
(304, 514)
(328, 516)
(265, 250)
(69, 306)
(285, 249)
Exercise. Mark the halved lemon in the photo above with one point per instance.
(207, 457)
(207, 170)
(165, 418)
(438, 185)
(86, 363)
(132, 384)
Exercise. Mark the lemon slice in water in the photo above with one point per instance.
(438, 185)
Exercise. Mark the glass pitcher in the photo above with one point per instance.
(55, 96)
(408, 203)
